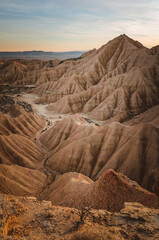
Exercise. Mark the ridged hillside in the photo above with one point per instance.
(86, 126)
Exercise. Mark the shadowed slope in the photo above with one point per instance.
(91, 150)
(109, 192)
(23, 72)
(117, 84)
(20, 181)
(16, 149)
(16, 145)
(120, 77)
(22, 124)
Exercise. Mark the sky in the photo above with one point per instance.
(67, 25)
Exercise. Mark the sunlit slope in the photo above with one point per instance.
(90, 149)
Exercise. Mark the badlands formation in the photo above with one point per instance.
(79, 138)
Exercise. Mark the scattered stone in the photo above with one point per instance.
(5, 103)
(26, 106)
(30, 221)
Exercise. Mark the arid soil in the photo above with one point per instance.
(27, 218)
(82, 134)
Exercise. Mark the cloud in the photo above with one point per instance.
(74, 21)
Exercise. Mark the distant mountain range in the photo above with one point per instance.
(41, 55)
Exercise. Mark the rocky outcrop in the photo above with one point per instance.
(25, 218)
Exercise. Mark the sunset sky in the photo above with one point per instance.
(65, 25)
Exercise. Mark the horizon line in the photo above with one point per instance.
(45, 51)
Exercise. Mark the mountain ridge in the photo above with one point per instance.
(41, 55)
(87, 115)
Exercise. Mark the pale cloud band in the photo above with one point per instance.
(75, 25)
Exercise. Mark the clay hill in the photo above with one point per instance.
(81, 134)
(109, 192)
(90, 149)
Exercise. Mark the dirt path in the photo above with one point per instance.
(39, 109)
(50, 174)
(50, 118)
(42, 111)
